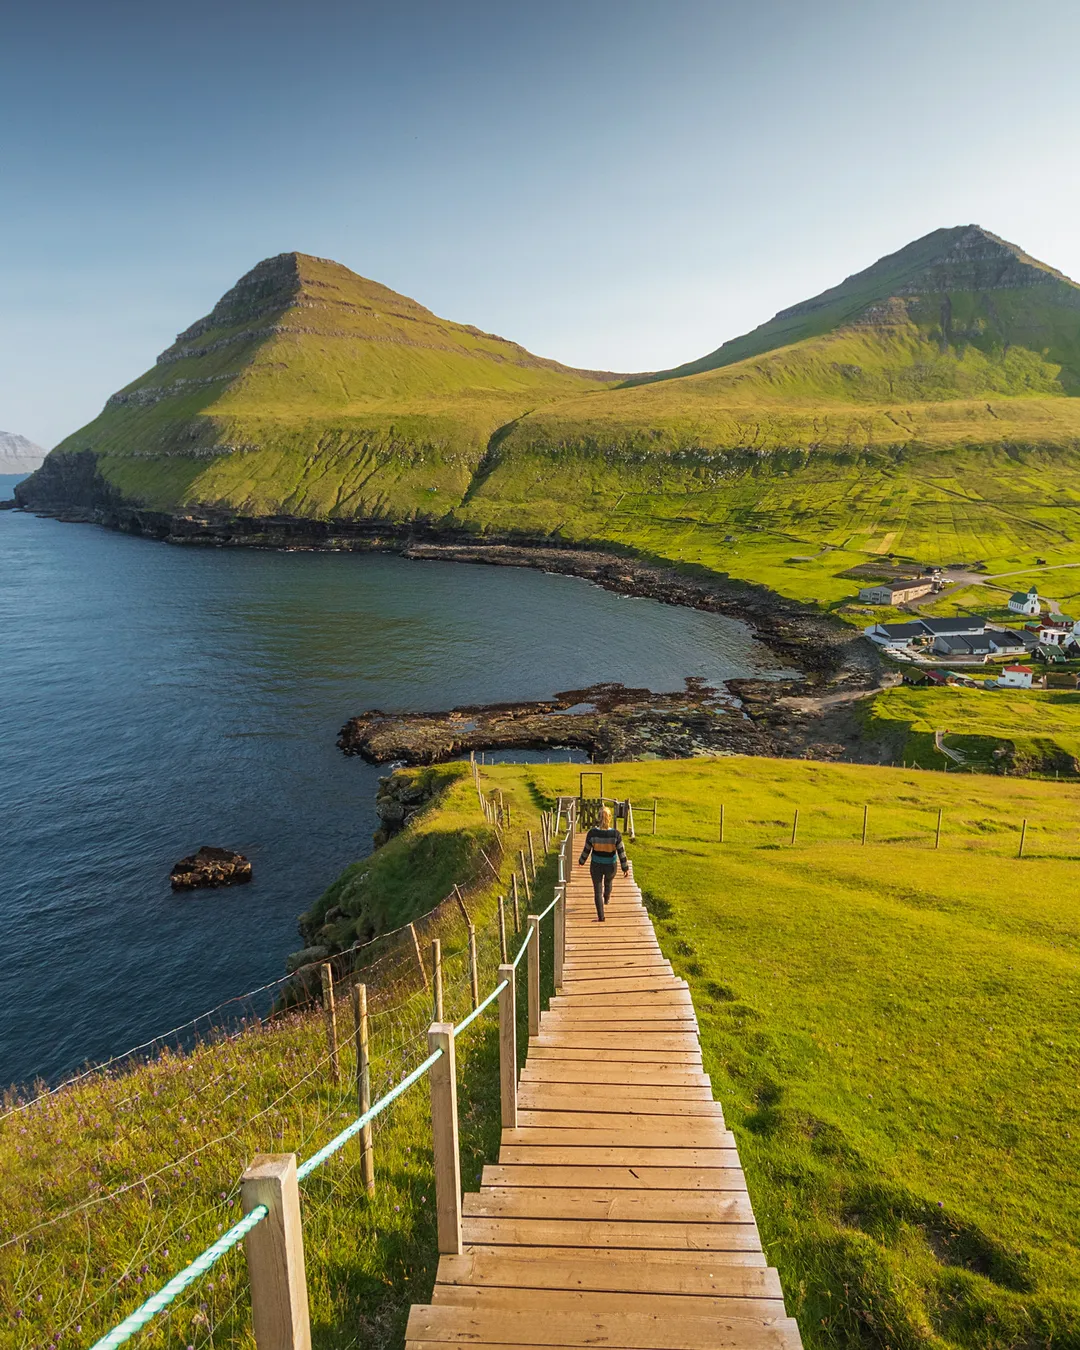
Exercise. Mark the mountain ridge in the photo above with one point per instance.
(311, 394)
(964, 258)
(18, 454)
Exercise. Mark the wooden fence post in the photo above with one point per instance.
(444, 1136)
(363, 1085)
(474, 968)
(721, 822)
(525, 876)
(275, 1254)
(436, 978)
(419, 957)
(560, 935)
(865, 813)
(534, 975)
(330, 1013)
(795, 826)
(517, 906)
(508, 1047)
(1023, 837)
(937, 836)
(654, 815)
(502, 928)
(532, 854)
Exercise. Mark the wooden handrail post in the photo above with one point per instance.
(419, 956)
(560, 935)
(275, 1254)
(436, 978)
(330, 1013)
(502, 928)
(534, 975)
(508, 1047)
(444, 1137)
(474, 968)
(363, 1084)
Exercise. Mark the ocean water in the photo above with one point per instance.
(155, 699)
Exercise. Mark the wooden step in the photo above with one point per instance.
(702, 1237)
(606, 1271)
(562, 1202)
(616, 1178)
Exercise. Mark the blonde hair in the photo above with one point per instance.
(605, 817)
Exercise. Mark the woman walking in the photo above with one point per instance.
(605, 844)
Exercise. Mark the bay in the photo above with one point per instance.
(156, 698)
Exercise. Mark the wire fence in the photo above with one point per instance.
(108, 1229)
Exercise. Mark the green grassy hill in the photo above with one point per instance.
(312, 391)
(926, 407)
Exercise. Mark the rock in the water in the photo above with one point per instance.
(210, 867)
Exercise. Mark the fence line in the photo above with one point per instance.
(276, 1267)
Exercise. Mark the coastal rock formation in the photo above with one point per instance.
(609, 720)
(397, 801)
(210, 867)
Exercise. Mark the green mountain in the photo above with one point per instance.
(925, 407)
(313, 391)
(958, 289)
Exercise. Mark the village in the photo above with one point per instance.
(963, 641)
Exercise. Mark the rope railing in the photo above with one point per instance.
(273, 1265)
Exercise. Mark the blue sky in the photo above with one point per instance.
(615, 184)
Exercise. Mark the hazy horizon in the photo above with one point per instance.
(619, 187)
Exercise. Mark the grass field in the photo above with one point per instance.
(1002, 730)
(893, 1031)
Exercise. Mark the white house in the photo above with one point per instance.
(1020, 603)
(1052, 634)
(897, 592)
(1016, 677)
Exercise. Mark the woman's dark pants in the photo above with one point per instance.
(602, 877)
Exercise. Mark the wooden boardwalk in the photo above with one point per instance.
(617, 1214)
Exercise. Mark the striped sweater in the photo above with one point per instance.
(605, 846)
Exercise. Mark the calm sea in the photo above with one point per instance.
(158, 698)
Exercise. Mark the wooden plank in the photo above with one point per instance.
(663, 996)
(545, 1094)
(542, 1053)
(633, 1331)
(658, 1258)
(562, 1202)
(586, 1105)
(628, 1073)
(558, 1039)
(615, 1178)
(629, 1024)
(607, 1271)
(701, 1237)
(572, 1154)
(704, 1123)
(763, 1311)
(637, 1134)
